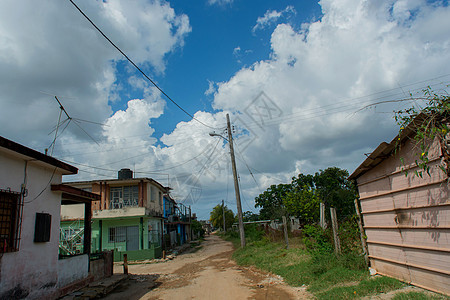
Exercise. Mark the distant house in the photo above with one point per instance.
(177, 222)
(407, 218)
(30, 204)
(128, 218)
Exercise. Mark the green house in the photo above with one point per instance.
(127, 219)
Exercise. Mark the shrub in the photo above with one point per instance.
(316, 240)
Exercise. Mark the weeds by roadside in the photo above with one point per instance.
(310, 261)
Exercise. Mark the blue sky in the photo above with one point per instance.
(208, 51)
(300, 79)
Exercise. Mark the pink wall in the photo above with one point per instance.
(407, 219)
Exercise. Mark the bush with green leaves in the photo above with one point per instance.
(320, 242)
(317, 240)
(428, 122)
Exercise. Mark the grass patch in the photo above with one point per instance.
(365, 287)
(418, 296)
(327, 276)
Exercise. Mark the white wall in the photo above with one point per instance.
(153, 197)
(34, 268)
(72, 269)
(72, 211)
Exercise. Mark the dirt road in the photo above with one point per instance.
(209, 273)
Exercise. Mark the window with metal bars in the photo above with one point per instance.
(10, 220)
(124, 196)
(117, 234)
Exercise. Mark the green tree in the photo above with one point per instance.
(197, 228)
(250, 216)
(301, 201)
(335, 190)
(271, 202)
(216, 217)
(303, 204)
(302, 197)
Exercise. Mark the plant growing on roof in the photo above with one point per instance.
(428, 122)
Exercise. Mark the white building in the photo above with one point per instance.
(30, 204)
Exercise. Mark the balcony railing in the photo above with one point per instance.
(118, 204)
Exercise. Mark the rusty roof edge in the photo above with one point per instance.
(386, 149)
(370, 161)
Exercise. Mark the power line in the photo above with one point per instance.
(46, 186)
(172, 140)
(139, 172)
(137, 68)
(242, 194)
(208, 159)
(248, 168)
(341, 106)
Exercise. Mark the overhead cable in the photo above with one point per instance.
(137, 68)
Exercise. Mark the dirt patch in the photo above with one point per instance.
(210, 273)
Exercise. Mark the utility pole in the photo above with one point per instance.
(190, 224)
(223, 212)
(286, 237)
(236, 184)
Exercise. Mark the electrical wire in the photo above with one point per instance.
(154, 171)
(304, 114)
(248, 168)
(122, 138)
(200, 173)
(79, 126)
(242, 195)
(137, 68)
(103, 175)
(46, 186)
(62, 155)
(339, 106)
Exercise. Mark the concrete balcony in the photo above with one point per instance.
(124, 212)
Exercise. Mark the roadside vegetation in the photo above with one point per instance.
(311, 259)
(418, 296)
(310, 263)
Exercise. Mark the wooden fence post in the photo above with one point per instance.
(125, 264)
(334, 224)
(322, 222)
(362, 233)
(286, 238)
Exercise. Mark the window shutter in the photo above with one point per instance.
(42, 227)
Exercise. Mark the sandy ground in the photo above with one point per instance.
(209, 273)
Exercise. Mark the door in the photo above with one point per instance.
(132, 238)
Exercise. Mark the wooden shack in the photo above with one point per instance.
(407, 217)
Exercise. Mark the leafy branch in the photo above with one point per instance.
(427, 123)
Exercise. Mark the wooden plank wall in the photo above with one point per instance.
(407, 220)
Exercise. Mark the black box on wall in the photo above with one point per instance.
(42, 227)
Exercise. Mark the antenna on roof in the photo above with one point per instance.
(67, 121)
